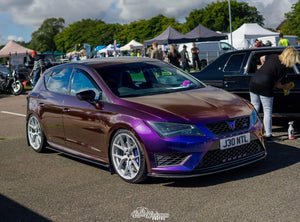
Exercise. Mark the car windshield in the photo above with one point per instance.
(146, 78)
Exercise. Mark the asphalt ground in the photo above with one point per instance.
(54, 187)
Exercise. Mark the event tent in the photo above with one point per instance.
(169, 36)
(12, 48)
(132, 45)
(244, 37)
(109, 48)
(201, 33)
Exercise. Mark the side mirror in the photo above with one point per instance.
(87, 95)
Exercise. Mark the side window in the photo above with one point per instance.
(82, 82)
(234, 63)
(58, 81)
(225, 46)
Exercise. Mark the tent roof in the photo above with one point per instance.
(11, 48)
(110, 47)
(201, 33)
(131, 44)
(170, 35)
(252, 30)
(245, 35)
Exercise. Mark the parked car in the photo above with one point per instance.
(208, 51)
(232, 71)
(142, 117)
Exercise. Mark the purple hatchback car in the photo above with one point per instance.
(142, 117)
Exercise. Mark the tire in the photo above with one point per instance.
(35, 134)
(17, 88)
(203, 63)
(127, 157)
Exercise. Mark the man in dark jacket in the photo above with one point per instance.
(185, 59)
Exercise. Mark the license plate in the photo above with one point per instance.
(234, 141)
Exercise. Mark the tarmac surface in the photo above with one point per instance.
(54, 187)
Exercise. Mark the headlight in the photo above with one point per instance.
(254, 117)
(166, 129)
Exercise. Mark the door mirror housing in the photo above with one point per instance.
(87, 95)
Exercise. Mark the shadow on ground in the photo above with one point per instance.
(13, 211)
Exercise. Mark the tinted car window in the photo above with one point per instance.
(234, 63)
(58, 81)
(82, 82)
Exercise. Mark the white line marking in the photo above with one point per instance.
(16, 114)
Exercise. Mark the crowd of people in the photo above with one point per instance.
(174, 57)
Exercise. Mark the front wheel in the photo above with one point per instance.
(17, 88)
(127, 157)
(35, 134)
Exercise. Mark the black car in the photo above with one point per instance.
(232, 71)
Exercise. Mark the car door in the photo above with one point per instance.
(51, 104)
(83, 120)
(288, 103)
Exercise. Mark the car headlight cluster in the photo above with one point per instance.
(254, 117)
(168, 129)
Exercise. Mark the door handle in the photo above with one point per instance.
(229, 81)
(66, 110)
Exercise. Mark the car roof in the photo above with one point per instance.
(263, 49)
(102, 62)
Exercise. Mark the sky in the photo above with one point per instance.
(20, 18)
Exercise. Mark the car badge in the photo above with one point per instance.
(231, 125)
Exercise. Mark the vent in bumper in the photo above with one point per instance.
(219, 157)
(167, 160)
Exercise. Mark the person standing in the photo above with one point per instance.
(156, 53)
(173, 56)
(195, 57)
(283, 41)
(38, 66)
(266, 78)
(185, 59)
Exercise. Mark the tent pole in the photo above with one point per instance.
(230, 25)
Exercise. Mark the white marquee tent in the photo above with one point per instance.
(244, 37)
(131, 45)
(109, 48)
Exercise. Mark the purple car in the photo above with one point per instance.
(142, 117)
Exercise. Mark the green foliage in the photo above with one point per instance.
(92, 32)
(215, 16)
(145, 29)
(292, 23)
(43, 38)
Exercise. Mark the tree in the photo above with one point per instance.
(145, 29)
(292, 24)
(215, 16)
(92, 32)
(43, 39)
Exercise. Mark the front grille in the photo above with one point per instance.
(165, 160)
(220, 128)
(218, 157)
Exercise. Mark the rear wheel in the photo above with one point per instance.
(17, 88)
(35, 134)
(127, 157)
